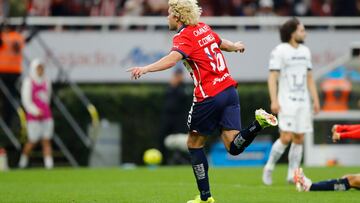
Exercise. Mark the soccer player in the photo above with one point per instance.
(216, 102)
(35, 96)
(290, 86)
(345, 132)
(345, 183)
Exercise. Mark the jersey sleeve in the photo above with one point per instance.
(350, 134)
(276, 61)
(217, 38)
(183, 45)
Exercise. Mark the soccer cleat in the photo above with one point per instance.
(302, 183)
(198, 200)
(290, 181)
(267, 176)
(265, 119)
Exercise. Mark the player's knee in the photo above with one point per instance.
(285, 139)
(190, 143)
(195, 141)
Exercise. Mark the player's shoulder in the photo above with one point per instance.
(202, 24)
(182, 32)
(192, 31)
(280, 48)
(26, 80)
(304, 48)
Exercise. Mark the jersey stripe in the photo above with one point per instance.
(199, 84)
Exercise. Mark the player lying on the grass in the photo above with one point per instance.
(341, 184)
(345, 132)
(216, 101)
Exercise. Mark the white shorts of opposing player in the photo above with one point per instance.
(296, 119)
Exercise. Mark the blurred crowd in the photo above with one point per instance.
(210, 7)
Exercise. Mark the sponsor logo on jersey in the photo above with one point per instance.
(216, 80)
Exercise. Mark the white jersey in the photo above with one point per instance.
(293, 64)
(293, 94)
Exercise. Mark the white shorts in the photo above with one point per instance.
(296, 119)
(38, 130)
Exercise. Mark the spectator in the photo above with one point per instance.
(237, 9)
(321, 8)
(282, 7)
(250, 8)
(301, 7)
(210, 7)
(133, 8)
(38, 7)
(207, 8)
(104, 8)
(155, 7)
(266, 8)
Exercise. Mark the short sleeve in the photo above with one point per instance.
(276, 61)
(183, 45)
(217, 38)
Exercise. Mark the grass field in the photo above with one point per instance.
(165, 184)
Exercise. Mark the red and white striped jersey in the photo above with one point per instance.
(203, 58)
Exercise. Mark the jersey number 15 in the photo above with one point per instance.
(217, 59)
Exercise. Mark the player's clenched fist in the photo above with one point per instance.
(239, 46)
(136, 72)
(275, 107)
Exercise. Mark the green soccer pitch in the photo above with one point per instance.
(163, 184)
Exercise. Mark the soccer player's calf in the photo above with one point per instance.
(247, 135)
(338, 184)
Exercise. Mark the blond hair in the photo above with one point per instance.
(188, 11)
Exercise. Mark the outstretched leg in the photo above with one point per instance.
(340, 184)
(333, 184)
(236, 141)
(354, 180)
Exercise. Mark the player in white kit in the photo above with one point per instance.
(291, 88)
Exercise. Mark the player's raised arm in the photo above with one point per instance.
(164, 63)
(229, 46)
